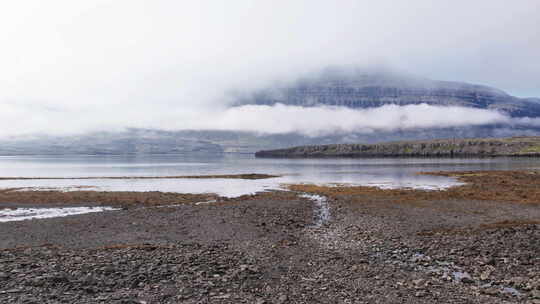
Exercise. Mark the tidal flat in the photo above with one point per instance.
(473, 243)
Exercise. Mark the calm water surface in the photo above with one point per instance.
(387, 172)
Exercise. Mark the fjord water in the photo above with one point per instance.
(386, 172)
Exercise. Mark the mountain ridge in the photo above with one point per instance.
(351, 88)
(361, 89)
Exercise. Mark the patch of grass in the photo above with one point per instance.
(522, 187)
(532, 149)
(362, 194)
(119, 199)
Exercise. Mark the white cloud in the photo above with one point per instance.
(279, 118)
(315, 121)
(74, 66)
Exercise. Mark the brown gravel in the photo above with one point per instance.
(10, 197)
(476, 243)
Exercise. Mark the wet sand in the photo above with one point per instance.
(476, 243)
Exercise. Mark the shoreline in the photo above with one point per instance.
(439, 148)
(218, 176)
(472, 243)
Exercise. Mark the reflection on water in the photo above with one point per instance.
(386, 173)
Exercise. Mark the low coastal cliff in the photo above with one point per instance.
(476, 147)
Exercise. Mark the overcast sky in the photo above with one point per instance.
(75, 66)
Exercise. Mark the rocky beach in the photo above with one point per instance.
(475, 243)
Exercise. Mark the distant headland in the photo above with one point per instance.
(473, 147)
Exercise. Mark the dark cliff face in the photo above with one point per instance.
(357, 89)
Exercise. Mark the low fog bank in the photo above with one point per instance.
(152, 141)
(250, 128)
(280, 119)
(325, 120)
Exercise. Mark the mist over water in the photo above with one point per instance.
(323, 120)
(385, 173)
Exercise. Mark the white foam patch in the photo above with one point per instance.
(21, 214)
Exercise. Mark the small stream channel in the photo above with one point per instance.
(321, 210)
